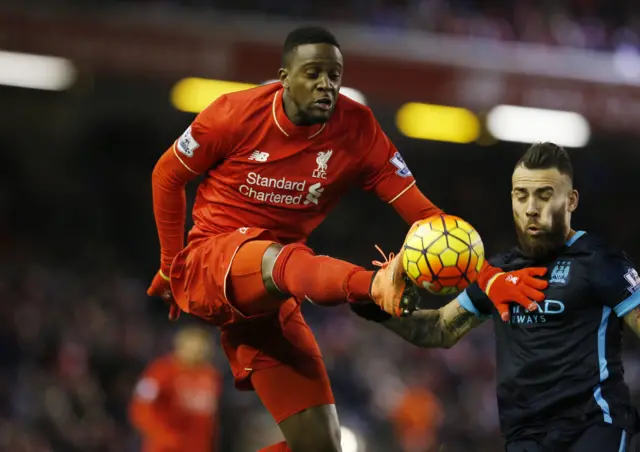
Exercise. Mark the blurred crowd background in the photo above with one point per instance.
(594, 24)
(78, 244)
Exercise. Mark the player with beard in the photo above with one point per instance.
(560, 384)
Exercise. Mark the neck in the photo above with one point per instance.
(291, 110)
(570, 234)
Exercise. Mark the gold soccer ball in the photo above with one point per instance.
(443, 254)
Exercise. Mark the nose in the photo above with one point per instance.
(324, 83)
(532, 208)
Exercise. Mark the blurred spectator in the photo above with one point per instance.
(176, 401)
(593, 24)
(417, 420)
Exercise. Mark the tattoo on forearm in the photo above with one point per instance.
(423, 328)
(434, 328)
(461, 323)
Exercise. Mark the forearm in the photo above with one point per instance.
(441, 328)
(424, 329)
(413, 206)
(169, 206)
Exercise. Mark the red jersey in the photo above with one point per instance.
(265, 172)
(175, 408)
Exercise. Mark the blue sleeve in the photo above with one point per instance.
(616, 283)
(474, 300)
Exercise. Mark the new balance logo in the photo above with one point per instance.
(512, 279)
(315, 191)
(259, 156)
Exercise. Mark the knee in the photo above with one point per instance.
(317, 440)
(314, 430)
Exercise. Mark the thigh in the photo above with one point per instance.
(287, 390)
(299, 398)
(601, 438)
(200, 273)
(288, 373)
(282, 339)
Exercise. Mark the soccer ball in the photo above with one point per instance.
(443, 254)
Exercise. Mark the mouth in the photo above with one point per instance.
(324, 103)
(534, 230)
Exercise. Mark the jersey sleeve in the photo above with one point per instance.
(474, 300)
(208, 139)
(413, 205)
(616, 282)
(385, 171)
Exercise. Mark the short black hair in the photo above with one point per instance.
(306, 35)
(547, 155)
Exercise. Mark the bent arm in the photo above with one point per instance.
(430, 328)
(206, 141)
(169, 178)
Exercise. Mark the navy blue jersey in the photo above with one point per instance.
(561, 364)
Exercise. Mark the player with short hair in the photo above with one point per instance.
(560, 382)
(277, 159)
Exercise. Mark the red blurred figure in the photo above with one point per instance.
(175, 403)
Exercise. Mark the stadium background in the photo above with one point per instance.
(78, 243)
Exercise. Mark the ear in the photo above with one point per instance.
(283, 76)
(573, 200)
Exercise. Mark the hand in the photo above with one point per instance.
(370, 311)
(519, 286)
(161, 287)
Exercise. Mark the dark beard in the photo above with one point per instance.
(545, 244)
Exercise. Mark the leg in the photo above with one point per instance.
(305, 412)
(264, 274)
(291, 380)
(600, 438)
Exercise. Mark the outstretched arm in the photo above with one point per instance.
(441, 328)
(437, 328)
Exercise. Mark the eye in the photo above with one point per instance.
(520, 196)
(545, 196)
(335, 76)
(311, 74)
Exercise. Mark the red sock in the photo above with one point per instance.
(322, 280)
(280, 447)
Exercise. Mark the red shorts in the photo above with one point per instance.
(199, 279)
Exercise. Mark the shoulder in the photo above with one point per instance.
(241, 105)
(161, 367)
(599, 250)
(252, 97)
